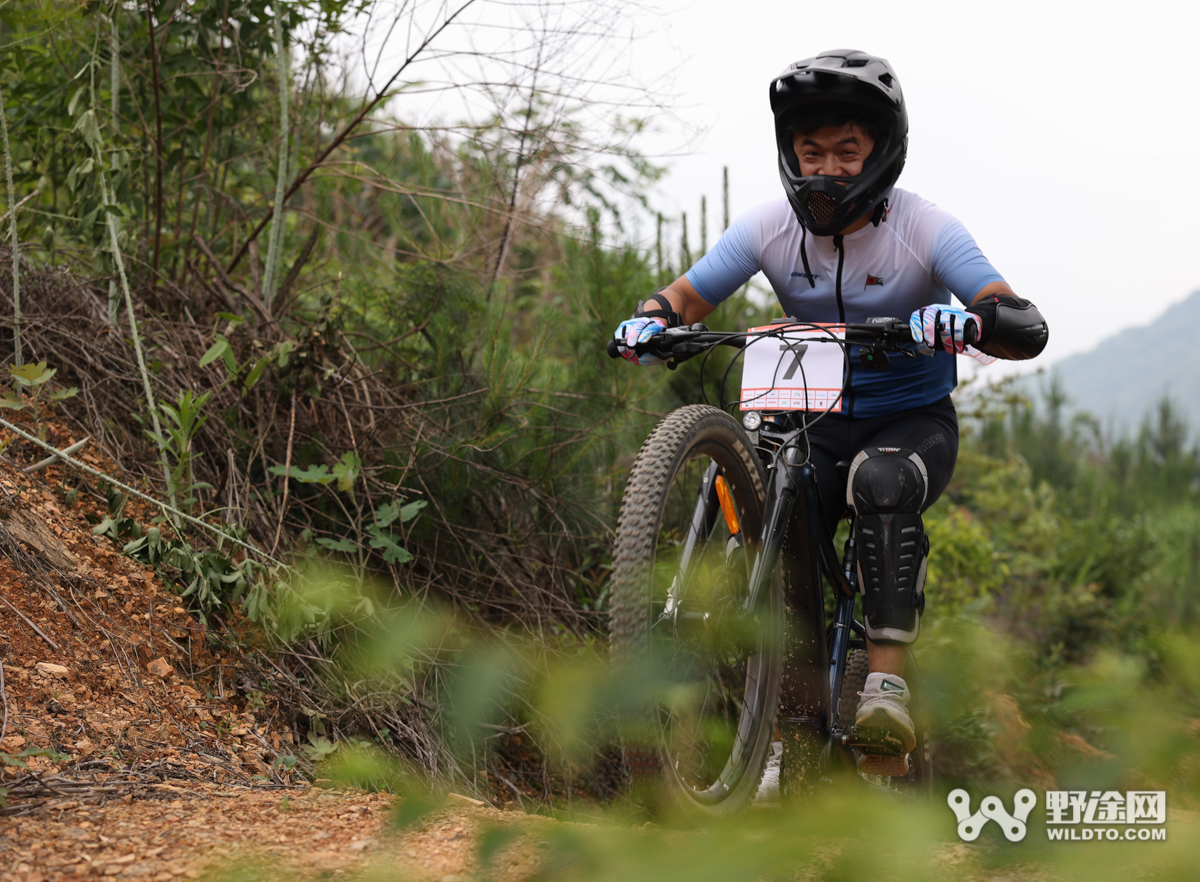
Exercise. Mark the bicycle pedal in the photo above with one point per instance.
(874, 741)
(641, 763)
(883, 765)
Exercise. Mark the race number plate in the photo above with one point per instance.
(798, 369)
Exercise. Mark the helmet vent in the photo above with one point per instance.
(886, 79)
(821, 207)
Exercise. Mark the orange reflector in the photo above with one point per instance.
(727, 507)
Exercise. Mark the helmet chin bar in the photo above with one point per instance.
(826, 206)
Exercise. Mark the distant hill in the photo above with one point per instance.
(1127, 374)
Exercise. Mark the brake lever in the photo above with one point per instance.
(681, 352)
(663, 346)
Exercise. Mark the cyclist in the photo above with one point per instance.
(846, 245)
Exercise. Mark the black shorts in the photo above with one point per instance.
(931, 431)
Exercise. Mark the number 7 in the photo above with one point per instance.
(797, 350)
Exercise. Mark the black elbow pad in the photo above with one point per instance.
(1012, 327)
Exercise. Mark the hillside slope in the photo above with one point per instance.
(102, 666)
(129, 745)
(1127, 374)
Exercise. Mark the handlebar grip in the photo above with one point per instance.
(614, 351)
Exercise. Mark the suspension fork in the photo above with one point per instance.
(786, 482)
(794, 514)
(703, 518)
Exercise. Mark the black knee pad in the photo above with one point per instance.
(886, 490)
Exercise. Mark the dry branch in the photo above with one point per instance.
(54, 457)
(30, 623)
(4, 217)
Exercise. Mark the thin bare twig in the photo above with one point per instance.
(53, 458)
(4, 699)
(294, 273)
(4, 217)
(30, 623)
(506, 235)
(287, 468)
(63, 455)
(229, 283)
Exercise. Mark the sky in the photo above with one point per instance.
(1063, 135)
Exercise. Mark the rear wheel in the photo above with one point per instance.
(919, 780)
(679, 623)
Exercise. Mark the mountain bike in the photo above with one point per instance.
(721, 564)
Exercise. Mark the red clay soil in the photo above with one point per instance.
(107, 671)
(102, 663)
(212, 833)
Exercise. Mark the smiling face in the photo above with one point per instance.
(839, 150)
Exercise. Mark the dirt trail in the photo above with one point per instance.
(202, 830)
(164, 834)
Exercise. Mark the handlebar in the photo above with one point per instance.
(682, 343)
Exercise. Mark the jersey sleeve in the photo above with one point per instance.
(959, 264)
(730, 264)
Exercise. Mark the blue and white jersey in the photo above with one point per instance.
(918, 256)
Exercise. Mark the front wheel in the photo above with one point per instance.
(680, 623)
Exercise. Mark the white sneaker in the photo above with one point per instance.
(768, 789)
(883, 706)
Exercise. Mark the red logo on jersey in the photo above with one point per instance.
(875, 280)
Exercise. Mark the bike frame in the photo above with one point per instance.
(794, 534)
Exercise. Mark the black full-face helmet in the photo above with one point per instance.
(843, 83)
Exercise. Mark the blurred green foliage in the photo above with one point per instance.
(1062, 584)
(1006, 721)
